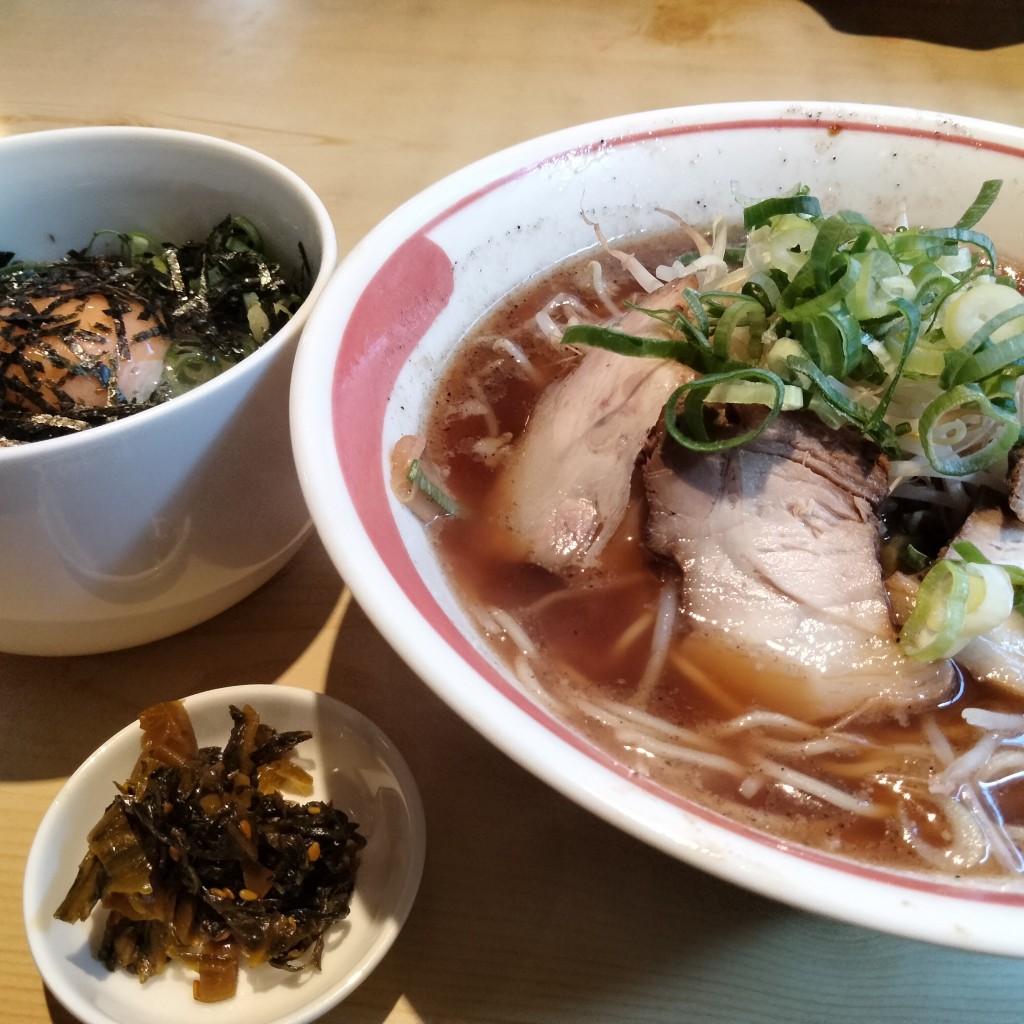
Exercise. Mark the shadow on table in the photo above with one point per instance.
(58, 1015)
(57, 711)
(968, 24)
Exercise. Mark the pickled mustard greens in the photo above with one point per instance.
(130, 322)
(912, 337)
(200, 859)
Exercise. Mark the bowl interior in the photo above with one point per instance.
(60, 187)
(401, 302)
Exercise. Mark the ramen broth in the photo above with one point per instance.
(582, 642)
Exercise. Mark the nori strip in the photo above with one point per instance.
(200, 295)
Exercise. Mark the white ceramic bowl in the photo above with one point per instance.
(398, 305)
(352, 762)
(138, 529)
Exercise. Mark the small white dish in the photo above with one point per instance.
(352, 762)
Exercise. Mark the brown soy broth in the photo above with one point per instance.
(562, 618)
(617, 601)
(608, 602)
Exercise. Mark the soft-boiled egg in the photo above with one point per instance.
(93, 351)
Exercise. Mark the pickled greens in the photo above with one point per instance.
(200, 859)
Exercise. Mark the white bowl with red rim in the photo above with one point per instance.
(397, 307)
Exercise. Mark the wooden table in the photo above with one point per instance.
(531, 910)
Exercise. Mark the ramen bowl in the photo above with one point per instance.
(386, 328)
(134, 530)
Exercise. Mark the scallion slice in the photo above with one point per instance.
(990, 360)
(692, 433)
(742, 312)
(1002, 434)
(761, 213)
(934, 241)
(959, 599)
(594, 336)
(983, 202)
(793, 306)
(438, 495)
(934, 625)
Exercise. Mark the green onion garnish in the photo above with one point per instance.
(935, 625)
(959, 599)
(761, 213)
(853, 317)
(692, 432)
(438, 495)
(996, 430)
(981, 205)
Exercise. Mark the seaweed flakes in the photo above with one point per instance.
(214, 302)
(197, 860)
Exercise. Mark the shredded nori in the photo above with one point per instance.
(216, 300)
(197, 859)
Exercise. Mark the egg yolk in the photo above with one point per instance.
(72, 350)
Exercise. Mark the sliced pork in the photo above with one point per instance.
(997, 656)
(567, 484)
(1015, 485)
(782, 590)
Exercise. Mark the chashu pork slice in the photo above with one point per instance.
(783, 596)
(566, 486)
(997, 656)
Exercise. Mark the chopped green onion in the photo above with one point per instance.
(761, 213)
(934, 625)
(694, 300)
(239, 234)
(913, 328)
(259, 322)
(743, 312)
(833, 339)
(438, 495)
(846, 411)
(608, 338)
(1003, 430)
(957, 601)
(764, 288)
(793, 306)
(971, 553)
(934, 288)
(935, 241)
(833, 234)
(979, 313)
(881, 280)
(755, 392)
(997, 356)
(694, 394)
(913, 559)
(981, 205)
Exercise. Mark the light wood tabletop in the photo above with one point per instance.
(530, 910)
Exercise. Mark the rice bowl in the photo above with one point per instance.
(133, 530)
